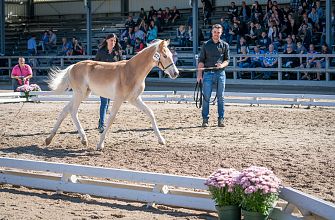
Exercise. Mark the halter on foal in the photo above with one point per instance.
(119, 81)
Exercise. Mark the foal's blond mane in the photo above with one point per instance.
(150, 45)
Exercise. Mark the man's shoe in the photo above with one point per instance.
(101, 129)
(204, 123)
(221, 122)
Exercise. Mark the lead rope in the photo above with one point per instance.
(198, 95)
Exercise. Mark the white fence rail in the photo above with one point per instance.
(187, 96)
(10, 97)
(172, 190)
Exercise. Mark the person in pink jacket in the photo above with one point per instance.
(21, 73)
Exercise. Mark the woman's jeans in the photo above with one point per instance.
(216, 79)
(104, 103)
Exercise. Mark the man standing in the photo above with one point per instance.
(32, 46)
(207, 10)
(214, 53)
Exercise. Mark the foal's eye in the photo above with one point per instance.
(164, 56)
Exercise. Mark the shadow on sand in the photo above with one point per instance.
(73, 198)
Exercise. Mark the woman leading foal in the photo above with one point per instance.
(119, 81)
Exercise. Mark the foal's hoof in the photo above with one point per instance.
(162, 141)
(100, 147)
(84, 142)
(48, 141)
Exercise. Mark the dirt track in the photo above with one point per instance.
(298, 144)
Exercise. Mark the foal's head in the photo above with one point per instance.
(165, 60)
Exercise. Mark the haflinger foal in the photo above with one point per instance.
(120, 81)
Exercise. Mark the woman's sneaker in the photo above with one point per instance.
(221, 122)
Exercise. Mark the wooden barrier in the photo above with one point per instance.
(166, 189)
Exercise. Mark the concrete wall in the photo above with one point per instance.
(136, 5)
(108, 6)
(65, 8)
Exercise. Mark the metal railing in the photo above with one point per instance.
(39, 63)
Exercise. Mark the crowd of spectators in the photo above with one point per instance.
(275, 29)
(137, 34)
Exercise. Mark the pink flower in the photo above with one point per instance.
(256, 178)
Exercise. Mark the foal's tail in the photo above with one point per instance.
(59, 79)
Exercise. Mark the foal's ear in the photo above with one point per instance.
(162, 44)
(167, 42)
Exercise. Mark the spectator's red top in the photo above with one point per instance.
(23, 71)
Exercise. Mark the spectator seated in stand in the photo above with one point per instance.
(181, 36)
(245, 12)
(160, 17)
(256, 12)
(290, 62)
(242, 43)
(264, 41)
(139, 45)
(174, 15)
(322, 62)
(44, 41)
(225, 29)
(289, 42)
(300, 49)
(256, 61)
(52, 44)
(305, 34)
(270, 62)
(235, 33)
(276, 37)
(129, 33)
(152, 32)
(123, 42)
(232, 11)
(243, 62)
(138, 33)
(142, 16)
(67, 48)
(157, 23)
(151, 13)
(129, 50)
(130, 22)
(166, 14)
(311, 61)
(78, 49)
(251, 36)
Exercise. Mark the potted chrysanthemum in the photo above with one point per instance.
(28, 88)
(261, 188)
(226, 192)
